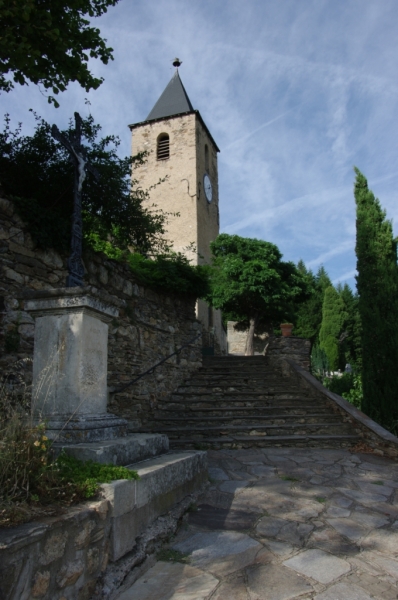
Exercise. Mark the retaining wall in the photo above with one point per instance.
(149, 327)
(378, 439)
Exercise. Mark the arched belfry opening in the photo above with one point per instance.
(163, 147)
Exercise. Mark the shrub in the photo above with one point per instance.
(339, 384)
(31, 478)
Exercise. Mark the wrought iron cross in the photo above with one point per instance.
(78, 157)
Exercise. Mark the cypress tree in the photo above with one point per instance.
(350, 345)
(377, 284)
(333, 318)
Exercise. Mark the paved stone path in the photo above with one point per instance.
(279, 524)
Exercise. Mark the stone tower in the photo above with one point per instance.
(182, 150)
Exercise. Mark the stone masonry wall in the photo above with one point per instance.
(149, 327)
(58, 558)
(294, 348)
(237, 340)
(277, 348)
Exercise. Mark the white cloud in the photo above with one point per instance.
(294, 93)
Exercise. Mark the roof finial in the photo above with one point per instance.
(177, 62)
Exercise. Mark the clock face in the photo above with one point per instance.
(208, 188)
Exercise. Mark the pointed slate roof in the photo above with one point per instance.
(173, 101)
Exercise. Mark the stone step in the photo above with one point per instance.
(234, 379)
(119, 451)
(164, 481)
(243, 384)
(263, 393)
(241, 419)
(244, 400)
(249, 429)
(287, 410)
(302, 441)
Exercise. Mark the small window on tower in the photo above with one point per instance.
(206, 158)
(163, 150)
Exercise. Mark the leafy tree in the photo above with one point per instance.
(377, 284)
(333, 318)
(36, 172)
(49, 43)
(309, 313)
(251, 284)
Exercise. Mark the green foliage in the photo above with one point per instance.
(377, 284)
(339, 384)
(251, 284)
(87, 475)
(49, 43)
(355, 394)
(171, 273)
(36, 172)
(170, 555)
(309, 313)
(319, 362)
(350, 340)
(31, 480)
(333, 318)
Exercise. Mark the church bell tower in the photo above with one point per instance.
(182, 150)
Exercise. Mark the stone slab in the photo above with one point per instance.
(348, 528)
(370, 519)
(342, 591)
(231, 487)
(336, 511)
(318, 565)
(164, 481)
(385, 563)
(295, 533)
(217, 474)
(275, 582)
(220, 552)
(372, 488)
(212, 517)
(362, 497)
(382, 540)
(171, 581)
(270, 526)
(329, 540)
(279, 548)
(234, 589)
(133, 448)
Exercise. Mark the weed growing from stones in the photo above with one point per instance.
(32, 481)
(288, 478)
(170, 555)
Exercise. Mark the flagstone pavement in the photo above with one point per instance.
(280, 524)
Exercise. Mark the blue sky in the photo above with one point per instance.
(294, 92)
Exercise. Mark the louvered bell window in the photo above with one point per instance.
(163, 151)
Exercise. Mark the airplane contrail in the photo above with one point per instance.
(257, 129)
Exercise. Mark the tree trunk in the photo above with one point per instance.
(249, 349)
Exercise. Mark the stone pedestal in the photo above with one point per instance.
(70, 365)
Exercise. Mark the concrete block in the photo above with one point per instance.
(120, 451)
(164, 481)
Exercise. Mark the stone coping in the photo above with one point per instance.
(349, 408)
(62, 300)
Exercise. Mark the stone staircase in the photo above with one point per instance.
(236, 401)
